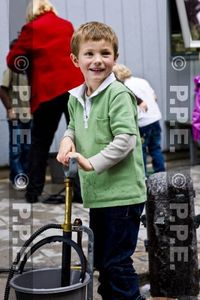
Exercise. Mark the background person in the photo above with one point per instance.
(196, 111)
(103, 128)
(148, 120)
(43, 49)
(15, 96)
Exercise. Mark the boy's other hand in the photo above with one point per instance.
(66, 146)
(143, 106)
(82, 161)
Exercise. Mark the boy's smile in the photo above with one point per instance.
(96, 60)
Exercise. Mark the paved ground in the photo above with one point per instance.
(18, 220)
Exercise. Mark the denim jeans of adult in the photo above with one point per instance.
(115, 238)
(45, 123)
(151, 143)
(19, 146)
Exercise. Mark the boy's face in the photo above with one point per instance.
(96, 60)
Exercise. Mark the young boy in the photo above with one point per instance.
(103, 130)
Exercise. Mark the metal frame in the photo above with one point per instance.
(90, 257)
(185, 27)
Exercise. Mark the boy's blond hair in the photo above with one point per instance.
(94, 31)
(121, 72)
(36, 8)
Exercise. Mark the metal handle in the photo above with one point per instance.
(72, 169)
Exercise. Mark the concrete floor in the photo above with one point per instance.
(42, 214)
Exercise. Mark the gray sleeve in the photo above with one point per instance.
(116, 151)
(70, 133)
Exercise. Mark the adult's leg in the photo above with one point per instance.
(25, 128)
(45, 124)
(115, 238)
(14, 150)
(154, 147)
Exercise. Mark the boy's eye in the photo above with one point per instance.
(106, 53)
(88, 53)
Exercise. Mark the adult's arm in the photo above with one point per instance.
(18, 56)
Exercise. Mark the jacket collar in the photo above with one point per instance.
(79, 91)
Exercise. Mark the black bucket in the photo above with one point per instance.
(45, 284)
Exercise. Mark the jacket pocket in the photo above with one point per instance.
(103, 131)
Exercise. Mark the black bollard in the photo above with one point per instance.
(171, 231)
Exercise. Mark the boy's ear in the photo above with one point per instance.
(74, 60)
(116, 57)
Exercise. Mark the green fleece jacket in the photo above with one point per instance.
(113, 112)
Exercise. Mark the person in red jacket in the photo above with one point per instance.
(43, 52)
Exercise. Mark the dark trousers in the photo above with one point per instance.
(45, 123)
(115, 238)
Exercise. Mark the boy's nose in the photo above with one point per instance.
(97, 59)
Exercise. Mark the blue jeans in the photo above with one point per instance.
(151, 139)
(115, 238)
(19, 146)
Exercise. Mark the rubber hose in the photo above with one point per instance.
(19, 254)
(57, 238)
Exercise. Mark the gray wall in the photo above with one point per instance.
(143, 31)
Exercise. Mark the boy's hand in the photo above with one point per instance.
(143, 106)
(82, 161)
(11, 115)
(66, 146)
